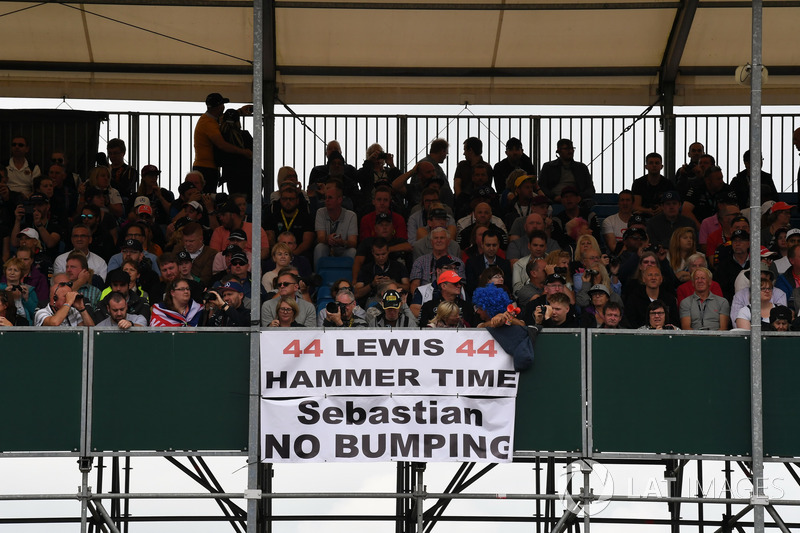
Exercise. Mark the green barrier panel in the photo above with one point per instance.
(40, 390)
(548, 414)
(780, 366)
(168, 390)
(671, 394)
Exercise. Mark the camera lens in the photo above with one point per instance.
(331, 307)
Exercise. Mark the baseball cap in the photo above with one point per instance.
(570, 189)
(183, 257)
(196, 205)
(391, 300)
(781, 206)
(780, 312)
(636, 220)
(150, 169)
(740, 234)
(237, 235)
(793, 231)
(132, 244)
(766, 206)
(39, 198)
(118, 276)
(29, 232)
(522, 179)
(447, 261)
(635, 232)
(181, 222)
(215, 99)
(144, 209)
(513, 142)
(232, 249)
(141, 200)
(185, 186)
(448, 276)
(555, 278)
(670, 196)
(231, 286)
(599, 287)
(766, 253)
(241, 256)
(437, 213)
(739, 218)
(383, 217)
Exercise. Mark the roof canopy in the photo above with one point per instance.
(450, 52)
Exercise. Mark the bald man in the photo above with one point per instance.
(66, 307)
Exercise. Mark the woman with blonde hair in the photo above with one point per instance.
(287, 312)
(682, 244)
(100, 179)
(448, 315)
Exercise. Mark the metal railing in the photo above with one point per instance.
(614, 147)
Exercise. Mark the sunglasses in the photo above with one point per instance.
(65, 284)
(284, 284)
(90, 217)
(238, 262)
(57, 160)
(20, 145)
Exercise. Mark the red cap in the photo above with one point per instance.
(448, 276)
(144, 209)
(780, 206)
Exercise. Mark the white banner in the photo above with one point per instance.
(380, 395)
(363, 361)
(381, 428)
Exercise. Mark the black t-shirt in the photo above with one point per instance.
(651, 194)
(392, 269)
(298, 224)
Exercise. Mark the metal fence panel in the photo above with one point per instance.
(40, 390)
(614, 147)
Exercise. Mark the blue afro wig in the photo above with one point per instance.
(492, 299)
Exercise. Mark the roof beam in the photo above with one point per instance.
(290, 4)
(576, 6)
(677, 43)
(135, 68)
(532, 72)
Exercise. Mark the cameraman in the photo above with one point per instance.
(224, 308)
(340, 312)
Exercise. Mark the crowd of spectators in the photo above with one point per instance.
(117, 249)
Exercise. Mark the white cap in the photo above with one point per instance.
(30, 233)
(141, 200)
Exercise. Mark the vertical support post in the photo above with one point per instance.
(401, 158)
(254, 426)
(536, 142)
(758, 499)
(84, 461)
(668, 123)
(419, 495)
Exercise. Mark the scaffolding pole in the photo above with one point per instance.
(758, 499)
